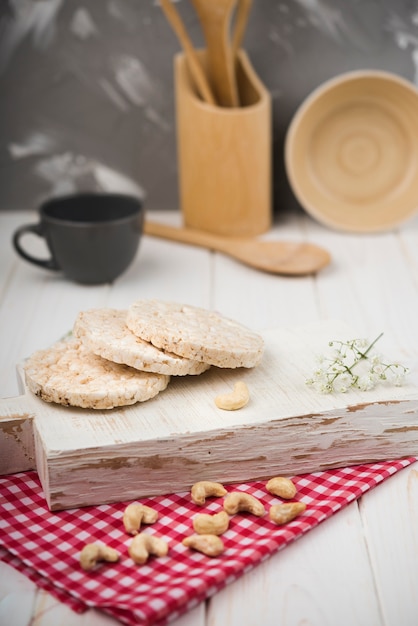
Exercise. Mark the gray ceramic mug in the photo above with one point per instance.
(92, 237)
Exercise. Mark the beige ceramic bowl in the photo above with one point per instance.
(351, 152)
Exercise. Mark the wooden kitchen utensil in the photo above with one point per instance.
(241, 20)
(195, 68)
(224, 155)
(215, 17)
(277, 257)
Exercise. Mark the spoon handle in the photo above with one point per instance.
(185, 235)
(215, 19)
(195, 67)
(277, 257)
(241, 20)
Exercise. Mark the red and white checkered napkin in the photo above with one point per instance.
(46, 546)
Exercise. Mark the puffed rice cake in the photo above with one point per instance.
(105, 333)
(69, 374)
(195, 333)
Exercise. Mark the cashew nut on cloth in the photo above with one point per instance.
(238, 501)
(205, 489)
(92, 553)
(206, 524)
(211, 545)
(286, 512)
(144, 545)
(136, 514)
(281, 487)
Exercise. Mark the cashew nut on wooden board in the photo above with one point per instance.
(234, 400)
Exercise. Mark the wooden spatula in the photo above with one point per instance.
(241, 20)
(193, 62)
(277, 257)
(215, 18)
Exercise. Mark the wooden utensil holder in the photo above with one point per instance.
(224, 155)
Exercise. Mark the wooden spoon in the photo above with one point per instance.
(277, 257)
(241, 20)
(215, 18)
(193, 62)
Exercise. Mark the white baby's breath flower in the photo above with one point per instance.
(379, 369)
(342, 383)
(324, 387)
(337, 374)
(366, 382)
(360, 344)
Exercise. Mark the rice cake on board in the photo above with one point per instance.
(67, 373)
(104, 332)
(195, 333)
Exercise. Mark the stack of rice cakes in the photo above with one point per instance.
(117, 357)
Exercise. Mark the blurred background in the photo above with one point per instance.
(86, 88)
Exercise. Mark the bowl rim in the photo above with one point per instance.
(321, 90)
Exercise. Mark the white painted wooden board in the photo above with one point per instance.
(166, 444)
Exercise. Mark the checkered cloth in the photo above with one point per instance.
(46, 546)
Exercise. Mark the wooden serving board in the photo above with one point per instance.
(165, 445)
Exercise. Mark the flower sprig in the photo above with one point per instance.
(352, 364)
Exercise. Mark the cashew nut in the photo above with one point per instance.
(234, 400)
(136, 514)
(240, 501)
(206, 524)
(211, 545)
(282, 487)
(204, 489)
(285, 512)
(94, 552)
(143, 545)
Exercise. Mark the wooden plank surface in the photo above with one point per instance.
(292, 587)
(390, 523)
(373, 286)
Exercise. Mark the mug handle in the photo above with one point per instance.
(36, 229)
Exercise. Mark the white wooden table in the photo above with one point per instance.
(360, 567)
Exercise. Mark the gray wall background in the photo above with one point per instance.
(86, 88)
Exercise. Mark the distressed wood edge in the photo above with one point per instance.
(371, 433)
(17, 448)
(42, 466)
